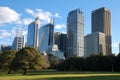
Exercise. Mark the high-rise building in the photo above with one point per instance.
(18, 42)
(46, 37)
(95, 44)
(33, 34)
(56, 35)
(75, 33)
(101, 22)
(119, 47)
(60, 40)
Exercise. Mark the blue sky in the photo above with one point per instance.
(19, 13)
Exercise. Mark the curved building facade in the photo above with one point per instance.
(32, 39)
(46, 37)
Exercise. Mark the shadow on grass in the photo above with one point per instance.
(83, 78)
(63, 72)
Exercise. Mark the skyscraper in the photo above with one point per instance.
(32, 39)
(95, 44)
(60, 40)
(101, 22)
(46, 37)
(18, 42)
(75, 33)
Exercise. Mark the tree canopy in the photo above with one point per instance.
(27, 58)
(6, 58)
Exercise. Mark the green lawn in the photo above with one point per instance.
(54, 75)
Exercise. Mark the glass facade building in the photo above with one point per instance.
(46, 37)
(75, 33)
(32, 39)
(101, 22)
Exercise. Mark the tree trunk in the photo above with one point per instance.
(25, 72)
(9, 72)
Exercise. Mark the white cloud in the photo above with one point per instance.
(8, 15)
(115, 45)
(60, 26)
(44, 16)
(27, 21)
(57, 15)
(30, 11)
(25, 32)
(4, 33)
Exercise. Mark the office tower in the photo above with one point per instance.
(56, 35)
(95, 44)
(32, 39)
(46, 37)
(60, 40)
(75, 33)
(18, 42)
(101, 22)
(119, 47)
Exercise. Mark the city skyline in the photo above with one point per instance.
(26, 13)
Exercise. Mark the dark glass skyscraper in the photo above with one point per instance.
(46, 37)
(101, 22)
(60, 40)
(32, 39)
(75, 33)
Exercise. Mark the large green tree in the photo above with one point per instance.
(27, 58)
(6, 58)
(54, 61)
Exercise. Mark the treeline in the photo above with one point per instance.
(91, 63)
(25, 59)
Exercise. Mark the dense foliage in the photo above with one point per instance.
(27, 58)
(54, 61)
(91, 63)
(6, 58)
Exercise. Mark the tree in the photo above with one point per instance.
(0, 53)
(117, 63)
(72, 63)
(46, 63)
(27, 58)
(54, 62)
(6, 58)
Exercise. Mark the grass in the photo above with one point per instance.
(55, 75)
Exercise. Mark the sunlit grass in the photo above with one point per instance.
(54, 75)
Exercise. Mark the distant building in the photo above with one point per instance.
(56, 35)
(95, 44)
(60, 40)
(32, 38)
(55, 51)
(101, 22)
(18, 42)
(5, 47)
(119, 47)
(75, 33)
(46, 37)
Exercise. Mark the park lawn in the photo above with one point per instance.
(54, 75)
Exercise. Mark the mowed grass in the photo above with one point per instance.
(55, 75)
